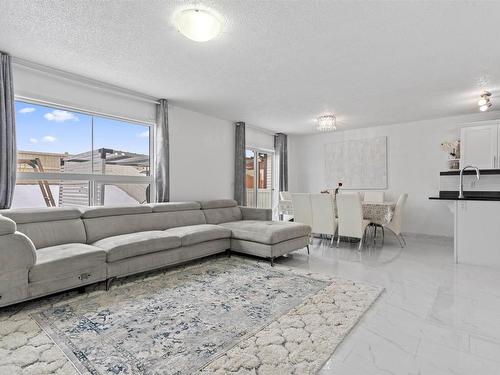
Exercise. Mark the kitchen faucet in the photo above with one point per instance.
(478, 174)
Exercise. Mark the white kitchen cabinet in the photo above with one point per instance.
(477, 236)
(479, 146)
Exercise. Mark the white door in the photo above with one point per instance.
(479, 146)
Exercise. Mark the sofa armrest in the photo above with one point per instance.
(16, 252)
(252, 213)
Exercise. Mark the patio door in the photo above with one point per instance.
(259, 178)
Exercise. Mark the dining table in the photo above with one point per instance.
(379, 213)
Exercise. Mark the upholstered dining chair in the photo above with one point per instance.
(323, 214)
(395, 224)
(350, 221)
(285, 206)
(374, 196)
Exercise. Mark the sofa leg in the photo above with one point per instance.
(109, 282)
(308, 249)
(272, 261)
(228, 253)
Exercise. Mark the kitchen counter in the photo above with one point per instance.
(468, 196)
(470, 171)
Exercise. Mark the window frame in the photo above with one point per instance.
(94, 179)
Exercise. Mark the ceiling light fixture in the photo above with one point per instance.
(200, 25)
(484, 103)
(327, 123)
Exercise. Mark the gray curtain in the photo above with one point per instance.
(7, 133)
(162, 156)
(240, 189)
(281, 150)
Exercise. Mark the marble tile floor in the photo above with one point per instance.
(434, 318)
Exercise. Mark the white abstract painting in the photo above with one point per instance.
(358, 164)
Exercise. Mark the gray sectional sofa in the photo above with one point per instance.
(43, 251)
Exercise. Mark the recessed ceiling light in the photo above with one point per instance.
(200, 25)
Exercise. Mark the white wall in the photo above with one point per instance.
(258, 138)
(414, 162)
(201, 156)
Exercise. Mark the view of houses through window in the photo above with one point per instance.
(259, 173)
(69, 158)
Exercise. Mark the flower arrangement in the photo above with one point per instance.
(452, 148)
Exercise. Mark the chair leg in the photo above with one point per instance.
(331, 242)
(404, 239)
(361, 242)
(338, 240)
(401, 243)
(308, 249)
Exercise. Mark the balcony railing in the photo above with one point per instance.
(264, 198)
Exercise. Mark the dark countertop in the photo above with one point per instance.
(469, 196)
(465, 199)
(470, 171)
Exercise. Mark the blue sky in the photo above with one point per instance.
(46, 129)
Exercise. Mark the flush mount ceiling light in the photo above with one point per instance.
(327, 123)
(200, 25)
(484, 103)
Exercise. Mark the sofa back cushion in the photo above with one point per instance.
(221, 211)
(49, 226)
(108, 222)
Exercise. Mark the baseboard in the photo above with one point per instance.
(434, 237)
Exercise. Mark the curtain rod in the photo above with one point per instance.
(82, 79)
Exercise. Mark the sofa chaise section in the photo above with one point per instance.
(253, 232)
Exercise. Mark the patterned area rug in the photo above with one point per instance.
(222, 316)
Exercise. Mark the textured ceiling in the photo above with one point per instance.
(278, 64)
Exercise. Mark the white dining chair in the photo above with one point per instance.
(323, 214)
(350, 221)
(395, 225)
(302, 210)
(374, 196)
(285, 206)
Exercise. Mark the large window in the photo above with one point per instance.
(68, 158)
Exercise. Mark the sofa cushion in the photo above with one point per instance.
(193, 234)
(34, 215)
(266, 232)
(174, 206)
(218, 203)
(53, 233)
(104, 227)
(134, 244)
(58, 261)
(103, 211)
(222, 215)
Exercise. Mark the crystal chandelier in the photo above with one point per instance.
(327, 123)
